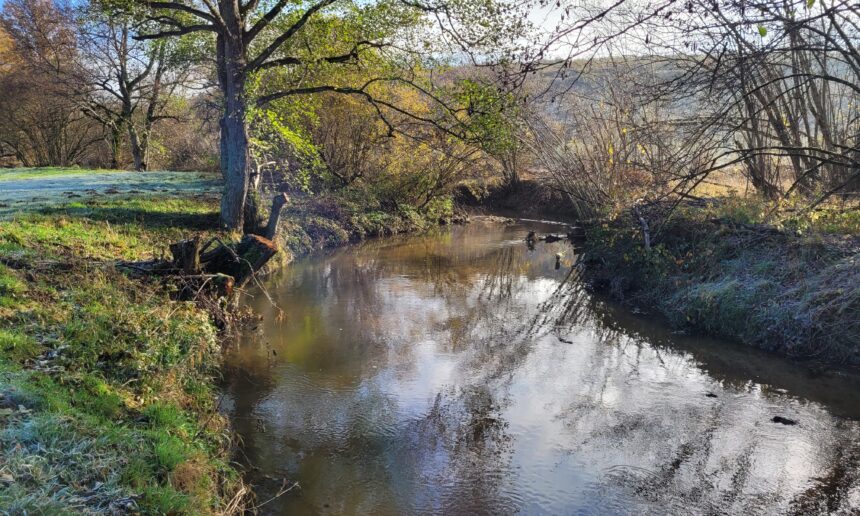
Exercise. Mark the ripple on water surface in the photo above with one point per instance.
(462, 373)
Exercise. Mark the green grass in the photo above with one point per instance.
(128, 228)
(17, 174)
(11, 287)
(106, 382)
(17, 345)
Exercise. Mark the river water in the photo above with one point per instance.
(463, 373)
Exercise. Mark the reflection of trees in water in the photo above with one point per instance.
(463, 437)
(501, 275)
(679, 455)
(831, 492)
(670, 447)
(703, 473)
(568, 305)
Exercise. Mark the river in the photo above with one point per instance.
(461, 372)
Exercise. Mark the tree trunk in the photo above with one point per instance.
(234, 159)
(114, 147)
(140, 144)
(137, 150)
(232, 75)
(275, 216)
(254, 218)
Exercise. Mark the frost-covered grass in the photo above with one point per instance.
(791, 287)
(107, 394)
(26, 190)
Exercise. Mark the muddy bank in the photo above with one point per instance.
(527, 198)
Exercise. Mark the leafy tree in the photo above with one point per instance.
(40, 118)
(285, 48)
(496, 123)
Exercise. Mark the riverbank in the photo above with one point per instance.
(528, 198)
(719, 270)
(108, 396)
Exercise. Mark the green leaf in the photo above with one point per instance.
(762, 31)
(810, 3)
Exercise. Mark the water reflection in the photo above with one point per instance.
(462, 373)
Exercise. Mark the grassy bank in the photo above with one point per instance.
(107, 384)
(792, 288)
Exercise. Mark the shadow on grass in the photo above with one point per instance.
(151, 218)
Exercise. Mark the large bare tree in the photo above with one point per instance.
(41, 122)
(127, 82)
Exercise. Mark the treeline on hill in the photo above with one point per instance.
(658, 101)
(717, 146)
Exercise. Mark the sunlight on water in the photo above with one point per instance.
(462, 373)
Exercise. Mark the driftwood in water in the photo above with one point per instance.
(532, 237)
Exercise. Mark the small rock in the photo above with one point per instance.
(711, 395)
(783, 420)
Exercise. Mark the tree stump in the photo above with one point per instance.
(186, 255)
(210, 276)
(242, 260)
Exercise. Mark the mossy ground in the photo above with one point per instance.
(791, 287)
(107, 383)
